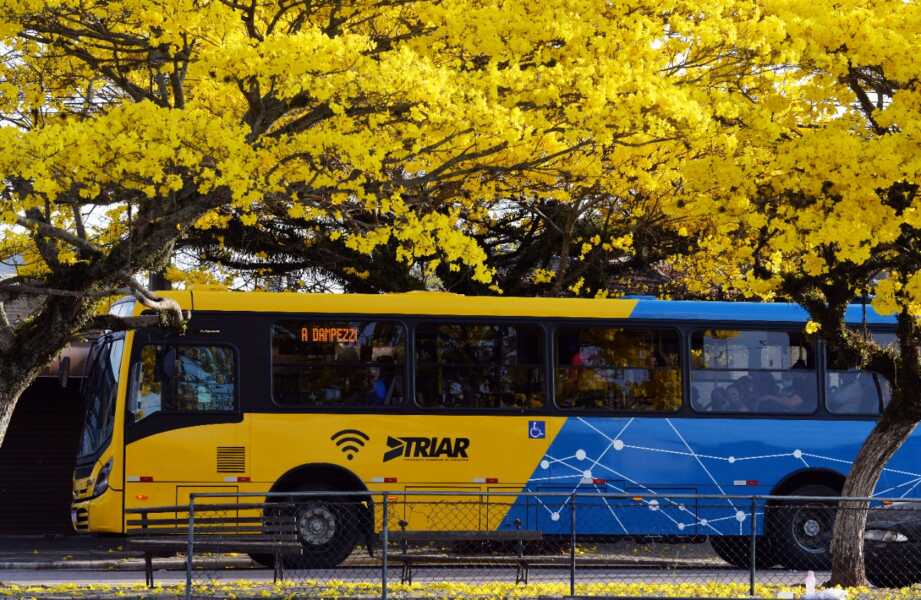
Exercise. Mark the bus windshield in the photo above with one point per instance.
(99, 394)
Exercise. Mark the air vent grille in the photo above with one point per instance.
(231, 459)
(81, 519)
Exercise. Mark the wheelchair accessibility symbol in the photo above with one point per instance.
(537, 430)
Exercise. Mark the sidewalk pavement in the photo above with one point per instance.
(93, 552)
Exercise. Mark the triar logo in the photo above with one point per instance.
(426, 448)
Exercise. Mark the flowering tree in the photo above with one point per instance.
(812, 194)
(596, 245)
(385, 123)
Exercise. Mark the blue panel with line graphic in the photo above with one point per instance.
(669, 458)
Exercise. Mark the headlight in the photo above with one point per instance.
(881, 535)
(102, 481)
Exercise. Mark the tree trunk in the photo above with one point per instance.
(7, 404)
(847, 542)
(10, 391)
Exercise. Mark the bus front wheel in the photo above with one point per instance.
(327, 528)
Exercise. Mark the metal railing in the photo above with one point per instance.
(476, 544)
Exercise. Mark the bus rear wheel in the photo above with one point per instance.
(801, 529)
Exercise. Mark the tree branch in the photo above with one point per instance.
(27, 289)
(46, 249)
(866, 104)
(169, 309)
(113, 323)
(78, 222)
(7, 334)
(49, 230)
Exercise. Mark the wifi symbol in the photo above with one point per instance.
(350, 441)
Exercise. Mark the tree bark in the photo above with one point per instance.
(847, 537)
(10, 391)
(7, 404)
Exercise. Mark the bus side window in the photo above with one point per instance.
(765, 372)
(184, 379)
(854, 391)
(603, 368)
(332, 363)
(204, 379)
(479, 365)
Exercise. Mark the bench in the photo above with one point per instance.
(263, 528)
(522, 562)
(408, 559)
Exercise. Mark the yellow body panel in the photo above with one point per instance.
(185, 454)
(104, 512)
(412, 303)
(499, 447)
(500, 456)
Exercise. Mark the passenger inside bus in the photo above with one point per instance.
(735, 397)
(753, 393)
(857, 392)
(788, 400)
(383, 382)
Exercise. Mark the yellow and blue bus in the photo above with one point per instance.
(435, 391)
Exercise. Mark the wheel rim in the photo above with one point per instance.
(316, 524)
(811, 529)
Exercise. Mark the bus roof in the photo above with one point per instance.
(443, 303)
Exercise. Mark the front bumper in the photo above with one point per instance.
(102, 514)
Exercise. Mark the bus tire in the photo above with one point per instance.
(800, 531)
(328, 528)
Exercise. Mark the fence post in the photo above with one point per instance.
(189, 550)
(384, 543)
(754, 552)
(572, 545)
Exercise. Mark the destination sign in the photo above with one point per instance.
(337, 335)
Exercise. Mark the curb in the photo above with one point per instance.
(64, 564)
(116, 565)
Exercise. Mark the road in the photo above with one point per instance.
(84, 561)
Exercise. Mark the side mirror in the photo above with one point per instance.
(64, 371)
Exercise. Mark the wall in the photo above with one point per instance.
(37, 459)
